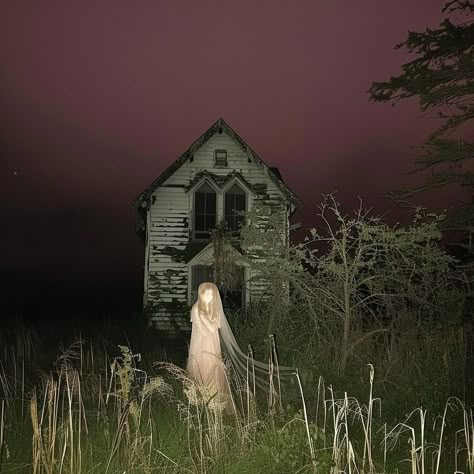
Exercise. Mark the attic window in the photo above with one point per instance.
(220, 158)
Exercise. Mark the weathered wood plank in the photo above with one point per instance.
(170, 222)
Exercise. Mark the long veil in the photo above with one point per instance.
(274, 379)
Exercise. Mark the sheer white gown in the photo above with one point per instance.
(205, 364)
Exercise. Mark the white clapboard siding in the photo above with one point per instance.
(157, 265)
(169, 221)
(204, 160)
(165, 264)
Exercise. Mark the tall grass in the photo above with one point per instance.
(95, 409)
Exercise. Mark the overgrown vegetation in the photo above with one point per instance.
(95, 411)
(375, 323)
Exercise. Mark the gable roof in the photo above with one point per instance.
(218, 127)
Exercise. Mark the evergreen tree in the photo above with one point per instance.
(442, 77)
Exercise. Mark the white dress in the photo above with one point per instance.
(205, 364)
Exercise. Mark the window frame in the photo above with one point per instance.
(193, 267)
(196, 191)
(234, 216)
(220, 202)
(244, 289)
(221, 150)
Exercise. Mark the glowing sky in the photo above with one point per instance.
(98, 98)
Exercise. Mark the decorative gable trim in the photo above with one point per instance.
(202, 179)
(221, 181)
(241, 182)
(218, 127)
(204, 257)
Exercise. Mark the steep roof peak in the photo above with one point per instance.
(219, 126)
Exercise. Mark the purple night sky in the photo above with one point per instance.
(98, 98)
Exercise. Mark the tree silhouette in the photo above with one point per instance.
(442, 77)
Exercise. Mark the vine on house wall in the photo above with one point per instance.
(226, 271)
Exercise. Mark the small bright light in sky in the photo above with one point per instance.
(99, 98)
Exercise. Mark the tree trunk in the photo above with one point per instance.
(347, 328)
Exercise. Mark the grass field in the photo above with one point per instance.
(113, 398)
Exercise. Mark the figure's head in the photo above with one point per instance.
(208, 294)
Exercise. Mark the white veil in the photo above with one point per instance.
(275, 379)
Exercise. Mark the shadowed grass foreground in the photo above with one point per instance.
(96, 408)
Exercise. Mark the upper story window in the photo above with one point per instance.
(220, 157)
(204, 211)
(235, 200)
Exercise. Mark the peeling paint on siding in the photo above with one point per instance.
(169, 233)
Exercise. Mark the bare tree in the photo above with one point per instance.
(371, 270)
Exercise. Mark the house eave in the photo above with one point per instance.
(218, 127)
(207, 251)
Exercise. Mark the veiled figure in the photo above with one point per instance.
(205, 364)
(212, 334)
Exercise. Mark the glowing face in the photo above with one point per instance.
(207, 296)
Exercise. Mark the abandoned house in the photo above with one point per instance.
(216, 176)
